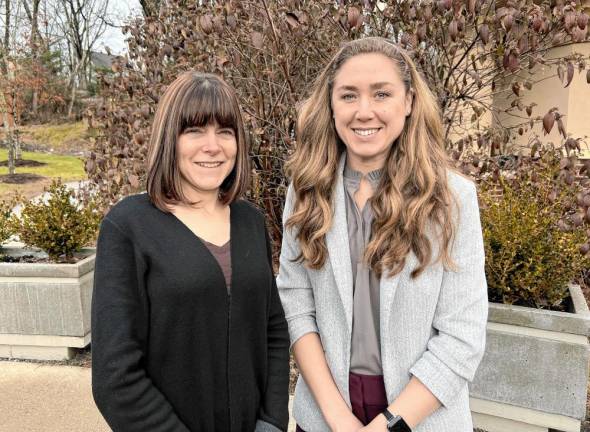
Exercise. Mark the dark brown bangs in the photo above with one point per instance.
(208, 102)
(194, 99)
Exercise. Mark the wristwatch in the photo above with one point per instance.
(395, 423)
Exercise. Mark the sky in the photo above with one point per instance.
(113, 37)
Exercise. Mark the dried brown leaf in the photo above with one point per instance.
(582, 20)
(292, 20)
(484, 33)
(354, 17)
(570, 74)
(206, 23)
(453, 30)
(561, 127)
(548, 121)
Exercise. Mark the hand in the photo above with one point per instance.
(346, 423)
(379, 424)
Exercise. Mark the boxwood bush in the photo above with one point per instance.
(532, 233)
(61, 224)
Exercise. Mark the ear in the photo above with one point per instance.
(409, 101)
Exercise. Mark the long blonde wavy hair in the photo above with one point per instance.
(413, 199)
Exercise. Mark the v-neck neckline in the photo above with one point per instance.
(201, 243)
(201, 239)
(216, 247)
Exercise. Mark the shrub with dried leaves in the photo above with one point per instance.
(270, 51)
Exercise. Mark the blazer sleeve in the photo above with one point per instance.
(122, 389)
(455, 351)
(274, 411)
(293, 281)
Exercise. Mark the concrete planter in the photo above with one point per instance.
(44, 308)
(534, 374)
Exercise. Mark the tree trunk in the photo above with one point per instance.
(6, 30)
(11, 162)
(75, 74)
(8, 132)
(72, 98)
(18, 151)
(35, 50)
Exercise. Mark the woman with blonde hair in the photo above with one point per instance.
(382, 263)
(188, 332)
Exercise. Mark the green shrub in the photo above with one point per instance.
(6, 228)
(60, 225)
(532, 235)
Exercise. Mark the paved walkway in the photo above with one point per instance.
(37, 397)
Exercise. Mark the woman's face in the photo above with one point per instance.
(370, 105)
(206, 155)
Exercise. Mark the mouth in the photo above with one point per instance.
(366, 132)
(209, 164)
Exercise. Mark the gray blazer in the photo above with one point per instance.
(432, 327)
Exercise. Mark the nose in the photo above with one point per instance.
(365, 109)
(211, 145)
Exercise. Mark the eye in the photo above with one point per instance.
(348, 97)
(227, 131)
(382, 95)
(193, 130)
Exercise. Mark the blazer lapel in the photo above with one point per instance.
(338, 247)
(387, 288)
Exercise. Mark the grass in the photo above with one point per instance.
(68, 168)
(59, 138)
(55, 136)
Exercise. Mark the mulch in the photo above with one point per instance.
(37, 259)
(20, 178)
(23, 163)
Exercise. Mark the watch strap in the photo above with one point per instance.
(395, 423)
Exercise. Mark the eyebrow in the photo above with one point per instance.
(372, 86)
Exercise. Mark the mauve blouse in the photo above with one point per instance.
(365, 357)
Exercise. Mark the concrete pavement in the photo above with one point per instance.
(37, 397)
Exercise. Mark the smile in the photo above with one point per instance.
(209, 164)
(366, 132)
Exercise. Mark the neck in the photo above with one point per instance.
(204, 200)
(365, 166)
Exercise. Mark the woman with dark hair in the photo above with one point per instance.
(382, 262)
(188, 332)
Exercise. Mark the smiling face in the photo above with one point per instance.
(370, 105)
(206, 155)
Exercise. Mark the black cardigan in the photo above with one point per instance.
(171, 350)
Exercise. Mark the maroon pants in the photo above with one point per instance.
(367, 397)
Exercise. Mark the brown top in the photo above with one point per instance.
(365, 356)
(223, 256)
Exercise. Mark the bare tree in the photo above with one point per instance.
(83, 22)
(6, 39)
(36, 40)
(5, 102)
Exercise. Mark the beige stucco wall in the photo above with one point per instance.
(548, 92)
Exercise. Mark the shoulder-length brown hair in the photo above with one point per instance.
(413, 195)
(194, 99)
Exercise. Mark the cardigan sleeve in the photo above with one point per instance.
(122, 389)
(293, 282)
(454, 352)
(274, 411)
